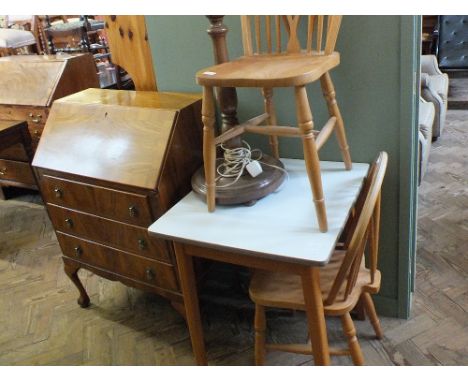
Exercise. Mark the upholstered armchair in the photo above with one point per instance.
(434, 89)
(18, 34)
(426, 120)
(452, 49)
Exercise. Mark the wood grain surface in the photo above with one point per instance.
(268, 71)
(130, 49)
(127, 207)
(135, 267)
(122, 135)
(38, 80)
(122, 236)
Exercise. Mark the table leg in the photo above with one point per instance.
(192, 309)
(315, 316)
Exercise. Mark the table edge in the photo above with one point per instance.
(241, 251)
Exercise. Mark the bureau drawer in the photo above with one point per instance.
(32, 115)
(16, 171)
(109, 232)
(15, 152)
(122, 206)
(135, 267)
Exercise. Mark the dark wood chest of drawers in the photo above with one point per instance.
(15, 156)
(31, 83)
(109, 164)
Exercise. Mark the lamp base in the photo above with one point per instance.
(246, 190)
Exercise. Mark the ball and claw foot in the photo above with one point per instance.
(71, 270)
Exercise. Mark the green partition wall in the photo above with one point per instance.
(375, 86)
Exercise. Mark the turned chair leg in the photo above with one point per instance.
(260, 327)
(372, 314)
(209, 148)
(71, 271)
(304, 116)
(270, 110)
(330, 95)
(353, 343)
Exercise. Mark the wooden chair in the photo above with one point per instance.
(267, 65)
(344, 281)
(73, 35)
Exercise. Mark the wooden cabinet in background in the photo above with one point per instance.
(30, 83)
(110, 163)
(429, 34)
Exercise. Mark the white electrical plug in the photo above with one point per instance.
(254, 168)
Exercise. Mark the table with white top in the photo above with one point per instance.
(279, 232)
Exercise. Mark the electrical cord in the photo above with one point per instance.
(236, 160)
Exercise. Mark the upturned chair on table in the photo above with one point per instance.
(344, 281)
(267, 65)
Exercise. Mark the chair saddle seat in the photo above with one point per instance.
(282, 290)
(266, 71)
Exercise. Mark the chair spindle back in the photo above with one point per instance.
(321, 34)
(364, 231)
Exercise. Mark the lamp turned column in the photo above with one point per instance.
(226, 97)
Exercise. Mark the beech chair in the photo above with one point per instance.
(344, 281)
(268, 64)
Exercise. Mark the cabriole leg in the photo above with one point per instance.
(71, 269)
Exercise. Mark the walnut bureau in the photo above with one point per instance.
(15, 156)
(109, 163)
(30, 83)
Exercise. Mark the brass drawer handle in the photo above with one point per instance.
(35, 118)
(58, 192)
(78, 251)
(3, 171)
(150, 275)
(133, 211)
(142, 244)
(37, 133)
(69, 223)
